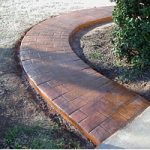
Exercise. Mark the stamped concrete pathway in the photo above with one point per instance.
(94, 104)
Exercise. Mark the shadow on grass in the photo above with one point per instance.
(134, 75)
(61, 67)
(25, 120)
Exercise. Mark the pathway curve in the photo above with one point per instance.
(18, 105)
(94, 104)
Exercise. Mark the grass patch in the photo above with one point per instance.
(25, 137)
(95, 55)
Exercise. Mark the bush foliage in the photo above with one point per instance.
(132, 34)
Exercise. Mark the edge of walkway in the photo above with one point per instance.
(53, 35)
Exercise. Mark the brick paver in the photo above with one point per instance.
(91, 102)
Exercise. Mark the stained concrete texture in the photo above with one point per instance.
(135, 135)
(17, 104)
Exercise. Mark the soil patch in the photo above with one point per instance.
(25, 119)
(94, 46)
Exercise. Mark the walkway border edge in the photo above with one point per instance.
(44, 36)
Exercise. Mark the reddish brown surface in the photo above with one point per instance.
(94, 104)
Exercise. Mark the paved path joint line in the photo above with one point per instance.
(95, 105)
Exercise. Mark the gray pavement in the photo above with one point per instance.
(136, 135)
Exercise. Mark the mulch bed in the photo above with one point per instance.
(94, 46)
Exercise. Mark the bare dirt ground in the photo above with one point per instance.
(95, 47)
(25, 120)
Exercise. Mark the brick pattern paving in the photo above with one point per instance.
(91, 102)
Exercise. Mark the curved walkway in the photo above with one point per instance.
(91, 102)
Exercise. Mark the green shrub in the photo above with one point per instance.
(132, 33)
